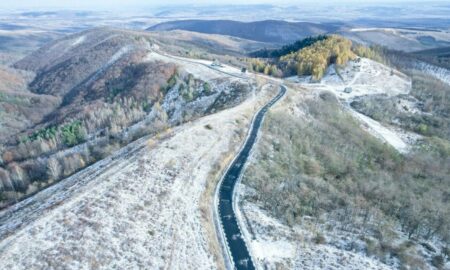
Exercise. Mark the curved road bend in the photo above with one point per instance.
(237, 250)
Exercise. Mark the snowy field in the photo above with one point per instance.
(362, 78)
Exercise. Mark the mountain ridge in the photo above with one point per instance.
(274, 31)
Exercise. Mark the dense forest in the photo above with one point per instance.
(314, 60)
(287, 49)
(310, 57)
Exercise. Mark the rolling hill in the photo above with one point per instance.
(272, 31)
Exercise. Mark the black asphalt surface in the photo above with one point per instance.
(239, 252)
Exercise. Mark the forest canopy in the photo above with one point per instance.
(314, 60)
(286, 49)
(310, 56)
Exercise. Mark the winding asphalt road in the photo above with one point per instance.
(238, 253)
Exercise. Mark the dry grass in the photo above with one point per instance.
(206, 204)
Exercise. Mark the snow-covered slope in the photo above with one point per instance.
(276, 244)
(143, 212)
(440, 73)
(361, 78)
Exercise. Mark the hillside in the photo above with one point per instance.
(350, 170)
(225, 144)
(20, 109)
(400, 39)
(94, 92)
(207, 43)
(439, 56)
(264, 31)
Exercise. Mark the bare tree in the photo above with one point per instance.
(53, 168)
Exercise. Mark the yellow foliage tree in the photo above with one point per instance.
(315, 59)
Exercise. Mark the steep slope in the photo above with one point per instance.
(64, 67)
(264, 31)
(19, 108)
(350, 168)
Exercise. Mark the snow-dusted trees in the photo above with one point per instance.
(72, 163)
(327, 169)
(5, 181)
(53, 168)
(18, 177)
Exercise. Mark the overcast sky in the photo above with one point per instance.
(117, 4)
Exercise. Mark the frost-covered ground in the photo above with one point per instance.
(274, 245)
(138, 209)
(277, 246)
(440, 73)
(361, 78)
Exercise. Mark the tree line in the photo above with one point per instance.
(310, 57)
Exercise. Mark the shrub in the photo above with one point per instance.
(319, 239)
(73, 133)
(438, 261)
(18, 177)
(72, 163)
(207, 88)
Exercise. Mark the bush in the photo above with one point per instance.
(319, 239)
(73, 133)
(207, 88)
(438, 261)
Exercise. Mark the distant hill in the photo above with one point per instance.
(400, 39)
(438, 56)
(177, 40)
(264, 31)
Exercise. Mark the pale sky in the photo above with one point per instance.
(116, 4)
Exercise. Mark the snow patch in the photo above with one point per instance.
(387, 134)
(366, 77)
(78, 41)
(272, 250)
(442, 74)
